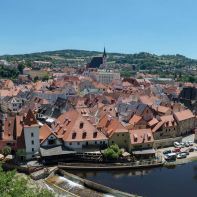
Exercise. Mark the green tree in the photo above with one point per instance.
(21, 67)
(45, 78)
(112, 152)
(6, 150)
(13, 185)
(36, 78)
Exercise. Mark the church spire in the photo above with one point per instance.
(104, 53)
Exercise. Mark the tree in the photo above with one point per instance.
(45, 78)
(13, 185)
(36, 78)
(6, 150)
(112, 152)
(21, 67)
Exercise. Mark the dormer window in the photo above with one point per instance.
(149, 136)
(81, 125)
(84, 135)
(74, 135)
(95, 134)
(68, 122)
(135, 137)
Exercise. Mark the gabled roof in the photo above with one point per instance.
(141, 136)
(30, 119)
(135, 119)
(110, 125)
(157, 126)
(184, 115)
(153, 122)
(45, 132)
(72, 126)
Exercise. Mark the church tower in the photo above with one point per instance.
(104, 58)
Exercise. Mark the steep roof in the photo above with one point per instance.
(110, 125)
(135, 119)
(184, 115)
(30, 119)
(140, 136)
(72, 126)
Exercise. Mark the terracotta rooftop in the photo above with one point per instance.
(184, 115)
(141, 136)
(72, 126)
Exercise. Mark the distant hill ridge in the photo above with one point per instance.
(142, 59)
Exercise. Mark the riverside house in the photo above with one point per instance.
(186, 121)
(77, 132)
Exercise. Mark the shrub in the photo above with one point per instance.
(6, 150)
(112, 152)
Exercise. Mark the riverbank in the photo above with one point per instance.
(111, 166)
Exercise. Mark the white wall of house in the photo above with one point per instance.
(32, 142)
(79, 145)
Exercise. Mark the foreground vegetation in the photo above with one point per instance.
(12, 185)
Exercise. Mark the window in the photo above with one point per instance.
(32, 149)
(117, 134)
(122, 134)
(112, 142)
(78, 143)
(70, 143)
(32, 134)
(95, 142)
(81, 125)
(84, 135)
(95, 134)
(74, 135)
(125, 141)
(32, 142)
(51, 141)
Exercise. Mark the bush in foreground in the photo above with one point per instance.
(12, 185)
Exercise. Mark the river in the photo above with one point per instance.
(178, 181)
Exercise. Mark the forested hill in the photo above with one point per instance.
(143, 60)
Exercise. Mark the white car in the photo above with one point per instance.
(190, 143)
(177, 145)
(181, 155)
(182, 144)
(195, 148)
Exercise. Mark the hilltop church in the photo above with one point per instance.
(98, 62)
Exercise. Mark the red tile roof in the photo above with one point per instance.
(72, 126)
(141, 136)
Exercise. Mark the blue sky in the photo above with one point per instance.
(128, 26)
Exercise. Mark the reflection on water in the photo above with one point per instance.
(115, 173)
(195, 173)
(157, 182)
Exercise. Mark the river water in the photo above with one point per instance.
(178, 181)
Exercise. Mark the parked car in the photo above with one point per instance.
(182, 144)
(181, 155)
(176, 144)
(191, 149)
(190, 143)
(176, 150)
(170, 157)
(186, 144)
(166, 152)
(186, 152)
(195, 148)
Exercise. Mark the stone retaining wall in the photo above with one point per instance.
(166, 142)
